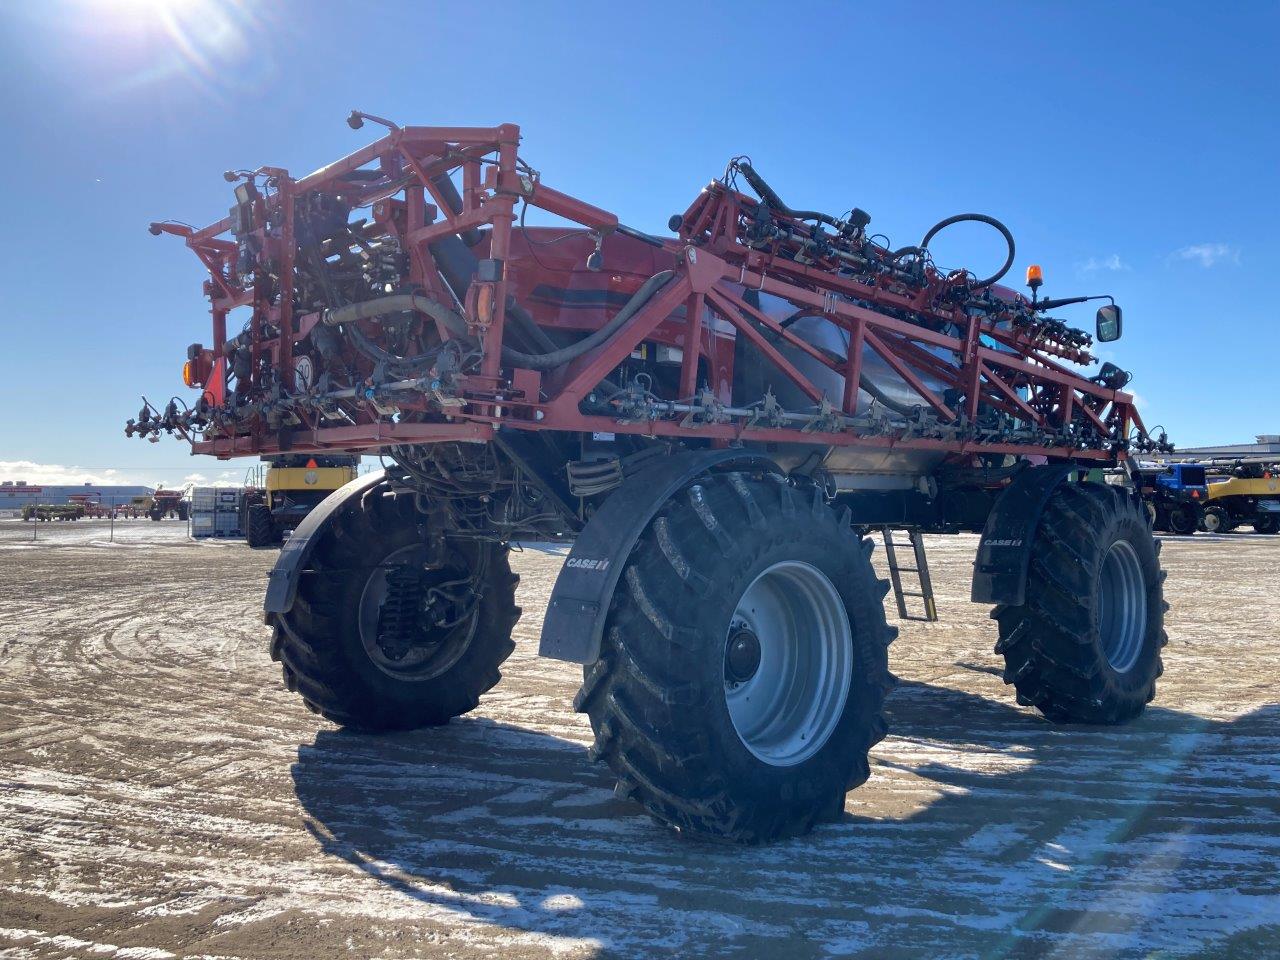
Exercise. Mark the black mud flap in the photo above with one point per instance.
(1004, 554)
(282, 586)
(574, 624)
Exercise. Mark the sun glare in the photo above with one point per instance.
(141, 8)
(204, 42)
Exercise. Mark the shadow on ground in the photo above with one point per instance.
(984, 832)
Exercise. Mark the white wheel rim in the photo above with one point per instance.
(789, 706)
(1122, 606)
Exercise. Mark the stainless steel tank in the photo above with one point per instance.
(753, 374)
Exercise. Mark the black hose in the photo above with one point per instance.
(769, 196)
(457, 325)
(557, 358)
(457, 265)
(370, 349)
(641, 236)
(979, 218)
(449, 193)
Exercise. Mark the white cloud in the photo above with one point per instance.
(225, 478)
(1207, 254)
(1113, 262)
(56, 474)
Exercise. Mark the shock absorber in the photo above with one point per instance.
(399, 625)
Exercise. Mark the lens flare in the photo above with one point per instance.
(213, 45)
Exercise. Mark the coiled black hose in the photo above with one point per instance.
(979, 218)
(770, 196)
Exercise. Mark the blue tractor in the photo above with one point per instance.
(1174, 495)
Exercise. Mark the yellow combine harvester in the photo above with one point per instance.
(1249, 494)
(293, 486)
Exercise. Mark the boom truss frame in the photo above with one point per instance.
(1059, 414)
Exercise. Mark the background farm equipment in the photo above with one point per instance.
(168, 504)
(133, 508)
(159, 505)
(292, 488)
(1243, 493)
(46, 512)
(712, 417)
(1175, 496)
(90, 504)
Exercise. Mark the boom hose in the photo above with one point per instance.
(457, 325)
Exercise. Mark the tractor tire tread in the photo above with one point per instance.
(641, 695)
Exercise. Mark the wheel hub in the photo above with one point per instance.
(742, 656)
(788, 663)
(1122, 606)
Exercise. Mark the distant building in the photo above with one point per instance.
(15, 494)
(1266, 449)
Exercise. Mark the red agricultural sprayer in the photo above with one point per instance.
(716, 419)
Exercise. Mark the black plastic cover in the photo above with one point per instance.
(282, 584)
(574, 623)
(1004, 554)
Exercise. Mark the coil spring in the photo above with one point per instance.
(399, 624)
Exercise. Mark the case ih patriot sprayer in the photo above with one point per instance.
(714, 418)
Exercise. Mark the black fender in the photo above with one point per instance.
(1004, 553)
(282, 584)
(574, 624)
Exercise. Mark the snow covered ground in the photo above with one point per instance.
(162, 795)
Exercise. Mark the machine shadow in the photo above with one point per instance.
(517, 829)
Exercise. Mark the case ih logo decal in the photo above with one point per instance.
(1003, 543)
(585, 563)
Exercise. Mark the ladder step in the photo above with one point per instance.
(920, 571)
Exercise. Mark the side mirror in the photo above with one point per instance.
(1110, 323)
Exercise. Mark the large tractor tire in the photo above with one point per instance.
(1161, 522)
(1267, 523)
(744, 663)
(1085, 646)
(378, 640)
(1182, 520)
(260, 527)
(1216, 520)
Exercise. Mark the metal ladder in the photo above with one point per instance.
(921, 570)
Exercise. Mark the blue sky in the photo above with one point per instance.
(1132, 149)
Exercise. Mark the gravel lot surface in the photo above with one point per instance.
(162, 795)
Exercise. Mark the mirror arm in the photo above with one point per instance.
(1067, 301)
